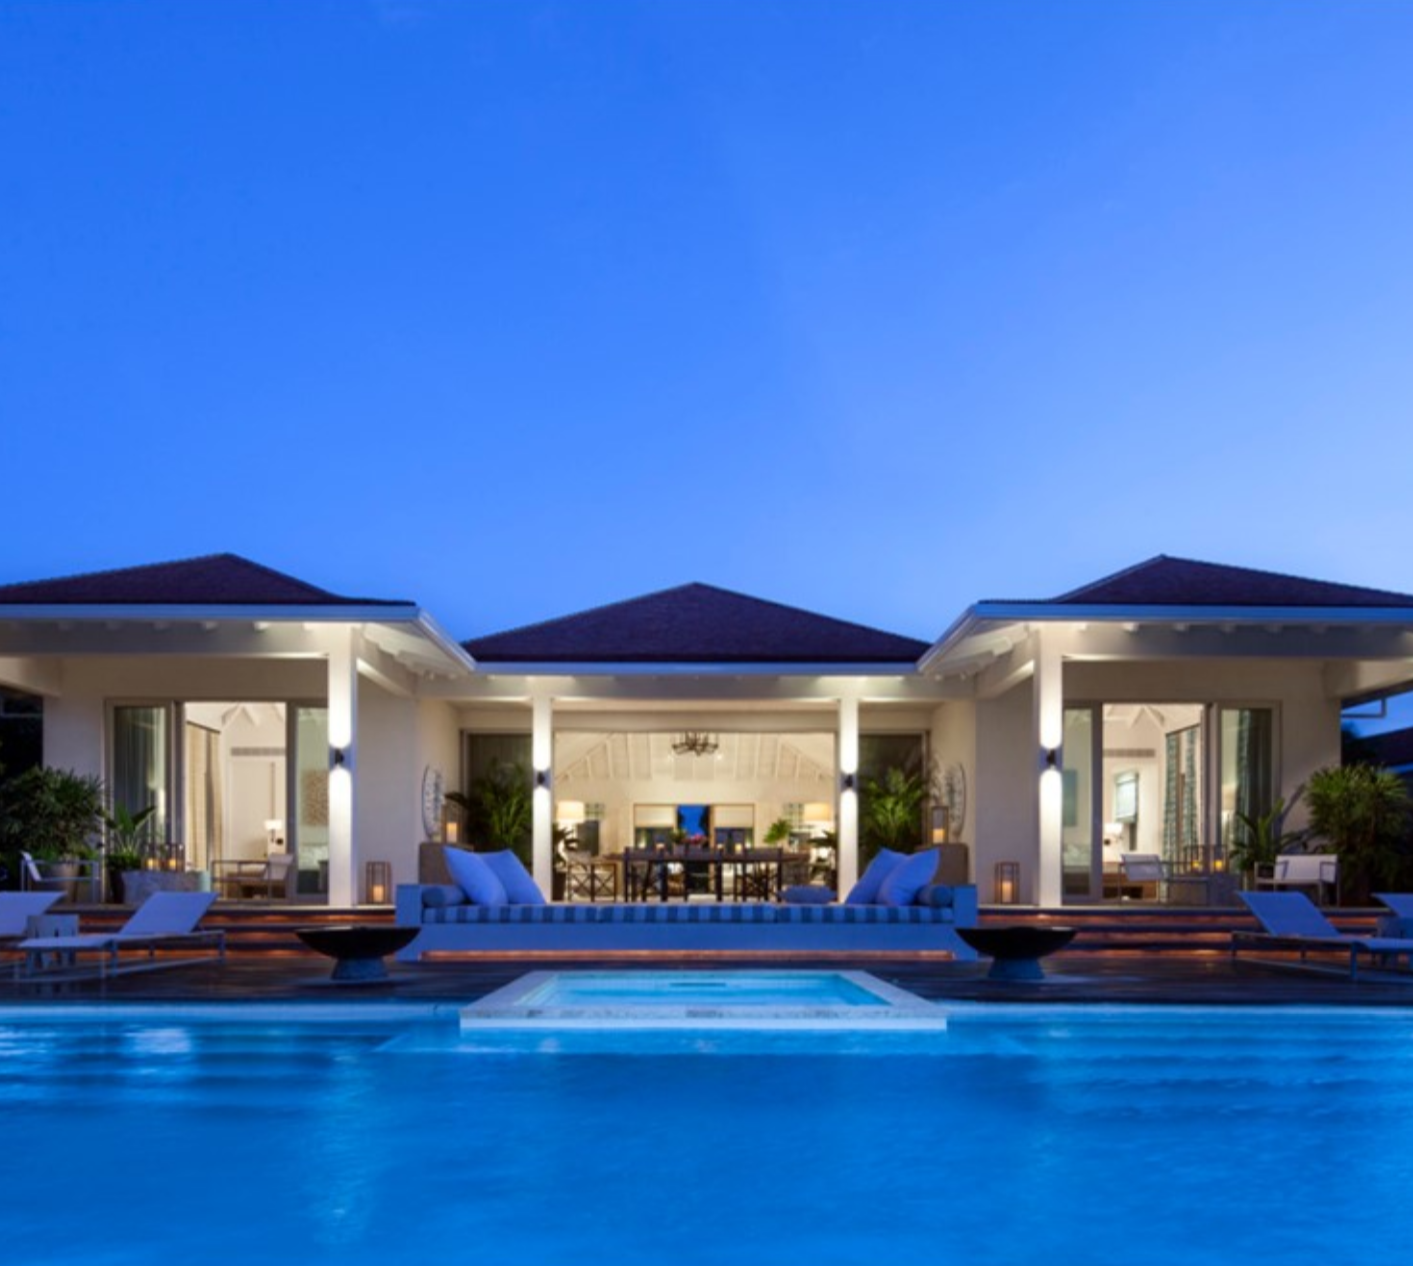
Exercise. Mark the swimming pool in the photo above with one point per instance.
(636, 1012)
(1095, 1135)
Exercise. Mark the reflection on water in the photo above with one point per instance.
(1090, 1135)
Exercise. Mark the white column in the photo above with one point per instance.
(542, 758)
(343, 765)
(848, 799)
(1049, 705)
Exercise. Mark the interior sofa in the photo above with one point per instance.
(449, 922)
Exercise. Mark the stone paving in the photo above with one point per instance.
(1192, 978)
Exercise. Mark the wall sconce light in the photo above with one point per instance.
(338, 758)
(1006, 884)
(542, 779)
(1052, 758)
(848, 782)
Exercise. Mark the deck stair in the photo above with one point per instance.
(268, 928)
(251, 927)
(1155, 928)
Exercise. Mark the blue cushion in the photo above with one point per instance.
(865, 892)
(477, 880)
(438, 896)
(520, 887)
(938, 896)
(807, 895)
(909, 878)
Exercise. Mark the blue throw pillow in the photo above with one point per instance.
(865, 892)
(520, 887)
(807, 895)
(439, 896)
(908, 878)
(477, 880)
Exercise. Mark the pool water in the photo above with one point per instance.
(658, 1012)
(1071, 1135)
(766, 989)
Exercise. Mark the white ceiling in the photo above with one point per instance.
(587, 756)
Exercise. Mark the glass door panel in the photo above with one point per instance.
(1081, 858)
(1246, 748)
(141, 769)
(309, 795)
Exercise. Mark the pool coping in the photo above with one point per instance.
(513, 1008)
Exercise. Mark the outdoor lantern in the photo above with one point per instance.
(1006, 889)
(377, 883)
(941, 823)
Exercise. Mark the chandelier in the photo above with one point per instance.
(694, 743)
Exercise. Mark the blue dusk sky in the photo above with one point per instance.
(876, 308)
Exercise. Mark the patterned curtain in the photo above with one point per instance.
(1170, 798)
(1181, 846)
(1254, 765)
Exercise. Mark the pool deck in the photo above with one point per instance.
(1195, 979)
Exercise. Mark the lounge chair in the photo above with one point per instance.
(16, 910)
(1401, 903)
(165, 918)
(1291, 921)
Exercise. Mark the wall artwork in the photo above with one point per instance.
(314, 797)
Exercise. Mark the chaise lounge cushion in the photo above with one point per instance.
(906, 881)
(520, 888)
(865, 892)
(477, 880)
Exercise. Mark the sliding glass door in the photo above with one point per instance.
(1079, 838)
(1247, 770)
(308, 794)
(140, 765)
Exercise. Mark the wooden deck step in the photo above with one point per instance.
(269, 928)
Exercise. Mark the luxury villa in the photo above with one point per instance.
(260, 713)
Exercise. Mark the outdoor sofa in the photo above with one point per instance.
(450, 922)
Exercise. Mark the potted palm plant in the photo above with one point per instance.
(125, 839)
(1362, 811)
(1258, 839)
(54, 815)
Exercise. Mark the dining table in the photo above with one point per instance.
(755, 871)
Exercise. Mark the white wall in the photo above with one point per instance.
(1006, 802)
(953, 742)
(389, 782)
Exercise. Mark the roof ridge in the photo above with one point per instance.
(114, 571)
(597, 609)
(1120, 574)
(247, 573)
(270, 571)
(1162, 566)
(818, 615)
(682, 588)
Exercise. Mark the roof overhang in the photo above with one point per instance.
(720, 668)
(989, 621)
(404, 630)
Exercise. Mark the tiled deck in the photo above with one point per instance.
(1123, 954)
(1085, 977)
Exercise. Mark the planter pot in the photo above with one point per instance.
(138, 885)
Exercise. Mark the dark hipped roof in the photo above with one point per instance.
(1184, 582)
(1393, 748)
(212, 580)
(696, 624)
